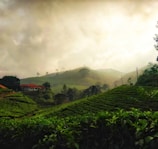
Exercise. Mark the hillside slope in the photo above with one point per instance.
(80, 78)
(15, 105)
(90, 123)
(124, 97)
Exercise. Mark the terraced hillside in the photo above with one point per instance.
(15, 105)
(102, 121)
(125, 97)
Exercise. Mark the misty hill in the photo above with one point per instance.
(133, 75)
(80, 78)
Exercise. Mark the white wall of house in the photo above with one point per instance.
(30, 89)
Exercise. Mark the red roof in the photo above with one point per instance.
(31, 86)
(2, 86)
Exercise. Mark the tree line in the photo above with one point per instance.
(68, 94)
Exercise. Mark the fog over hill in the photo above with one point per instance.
(133, 76)
(81, 78)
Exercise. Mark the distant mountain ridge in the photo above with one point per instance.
(79, 77)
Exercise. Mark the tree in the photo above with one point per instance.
(149, 77)
(11, 82)
(64, 90)
(38, 74)
(105, 87)
(156, 39)
(47, 85)
(60, 98)
(129, 80)
(92, 90)
(72, 94)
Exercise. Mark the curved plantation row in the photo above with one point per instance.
(125, 97)
(16, 106)
(121, 129)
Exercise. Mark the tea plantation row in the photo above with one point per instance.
(125, 97)
(120, 129)
(108, 120)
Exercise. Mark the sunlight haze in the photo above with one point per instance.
(57, 35)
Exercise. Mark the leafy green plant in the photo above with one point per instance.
(118, 129)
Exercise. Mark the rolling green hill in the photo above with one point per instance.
(125, 97)
(80, 78)
(124, 117)
(15, 105)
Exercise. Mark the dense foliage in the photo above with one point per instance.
(47, 85)
(149, 77)
(121, 129)
(107, 120)
(11, 82)
(68, 94)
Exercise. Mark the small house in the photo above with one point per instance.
(31, 87)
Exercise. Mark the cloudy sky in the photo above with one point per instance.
(49, 35)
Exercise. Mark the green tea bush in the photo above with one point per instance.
(120, 129)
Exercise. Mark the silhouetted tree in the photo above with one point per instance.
(105, 86)
(149, 77)
(64, 90)
(92, 90)
(38, 74)
(60, 98)
(130, 81)
(156, 39)
(11, 82)
(47, 85)
(72, 94)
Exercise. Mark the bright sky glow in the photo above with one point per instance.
(43, 36)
